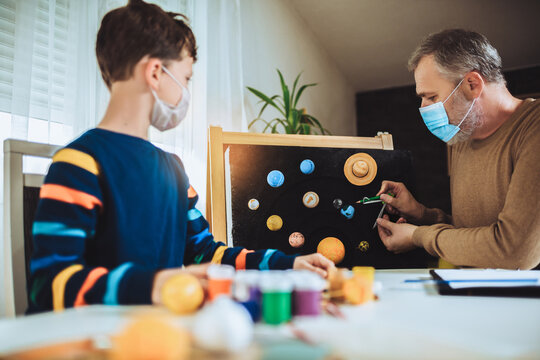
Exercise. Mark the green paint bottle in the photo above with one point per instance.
(276, 290)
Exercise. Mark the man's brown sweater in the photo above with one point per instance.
(495, 190)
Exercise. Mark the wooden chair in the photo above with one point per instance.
(21, 195)
(218, 141)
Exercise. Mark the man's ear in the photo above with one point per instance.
(474, 85)
(152, 72)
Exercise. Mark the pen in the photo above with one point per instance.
(369, 200)
(373, 199)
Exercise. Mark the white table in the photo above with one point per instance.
(409, 321)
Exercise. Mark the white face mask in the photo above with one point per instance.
(166, 116)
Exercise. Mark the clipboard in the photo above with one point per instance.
(487, 282)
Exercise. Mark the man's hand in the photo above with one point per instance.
(403, 203)
(397, 237)
(199, 271)
(314, 262)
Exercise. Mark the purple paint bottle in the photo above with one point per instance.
(307, 293)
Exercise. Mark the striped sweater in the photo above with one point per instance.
(113, 210)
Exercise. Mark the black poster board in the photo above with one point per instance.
(249, 166)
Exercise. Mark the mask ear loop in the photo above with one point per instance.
(172, 77)
(467, 114)
(185, 91)
(453, 91)
(472, 105)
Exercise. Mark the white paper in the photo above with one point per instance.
(465, 278)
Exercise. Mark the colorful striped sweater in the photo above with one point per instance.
(113, 210)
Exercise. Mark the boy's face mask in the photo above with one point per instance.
(165, 116)
(436, 118)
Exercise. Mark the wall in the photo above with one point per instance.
(396, 111)
(275, 36)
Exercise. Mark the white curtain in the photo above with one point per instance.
(51, 90)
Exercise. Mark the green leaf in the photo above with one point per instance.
(314, 121)
(286, 98)
(286, 126)
(294, 86)
(266, 104)
(300, 91)
(265, 98)
(306, 129)
(305, 119)
(279, 101)
(295, 120)
(274, 128)
(269, 125)
(318, 124)
(255, 120)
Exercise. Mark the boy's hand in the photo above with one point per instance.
(314, 262)
(199, 271)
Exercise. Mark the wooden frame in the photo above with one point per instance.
(14, 182)
(217, 145)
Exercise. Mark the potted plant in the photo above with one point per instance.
(292, 120)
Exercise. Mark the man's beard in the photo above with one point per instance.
(473, 121)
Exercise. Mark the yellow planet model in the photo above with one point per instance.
(332, 248)
(274, 223)
(182, 294)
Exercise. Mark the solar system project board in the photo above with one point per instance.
(301, 199)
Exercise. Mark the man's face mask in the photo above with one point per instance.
(166, 116)
(436, 118)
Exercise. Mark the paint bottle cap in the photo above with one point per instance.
(248, 277)
(307, 280)
(275, 281)
(244, 281)
(224, 272)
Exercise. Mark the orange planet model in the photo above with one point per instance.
(332, 248)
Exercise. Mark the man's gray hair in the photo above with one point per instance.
(457, 52)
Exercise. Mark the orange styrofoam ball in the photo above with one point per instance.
(358, 290)
(332, 248)
(182, 294)
(151, 337)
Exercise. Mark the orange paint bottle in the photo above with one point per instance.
(220, 278)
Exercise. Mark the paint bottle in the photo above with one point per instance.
(367, 272)
(220, 279)
(247, 292)
(276, 290)
(307, 293)
(246, 286)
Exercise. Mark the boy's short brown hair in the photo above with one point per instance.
(129, 33)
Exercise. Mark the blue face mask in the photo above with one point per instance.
(436, 118)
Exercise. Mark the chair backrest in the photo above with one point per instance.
(218, 140)
(21, 195)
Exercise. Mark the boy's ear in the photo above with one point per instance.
(152, 73)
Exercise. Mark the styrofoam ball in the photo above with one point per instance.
(223, 325)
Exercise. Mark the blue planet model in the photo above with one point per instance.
(275, 178)
(348, 212)
(307, 166)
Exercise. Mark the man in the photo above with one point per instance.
(494, 164)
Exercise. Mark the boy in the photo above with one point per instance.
(115, 211)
